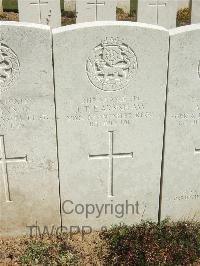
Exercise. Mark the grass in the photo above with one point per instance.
(45, 252)
(144, 244)
(149, 244)
(183, 17)
(60, 250)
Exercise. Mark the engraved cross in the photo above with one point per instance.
(39, 3)
(3, 162)
(111, 156)
(96, 3)
(157, 5)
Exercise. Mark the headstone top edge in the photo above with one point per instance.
(48, 0)
(184, 29)
(25, 24)
(108, 23)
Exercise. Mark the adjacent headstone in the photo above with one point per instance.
(110, 110)
(183, 4)
(70, 5)
(195, 14)
(1, 6)
(158, 12)
(124, 5)
(181, 178)
(28, 154)
(40, 11)
(95, 10)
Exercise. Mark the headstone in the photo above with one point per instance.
(110, 109)
(40, 11)
(1, 6)
(70, 5)
(181, 178)
(95, 10)
(158, 12)
(195, 14)
(28, 156)
(183, 4)
(124, 5)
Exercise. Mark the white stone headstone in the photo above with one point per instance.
(158, 12)
(181, 179)
(95, 10)
(28, 157)
(183, 3)
(46, 12)
(195, 14)
(1, 6)
(110, 94)
(124, 5)
(70, 5)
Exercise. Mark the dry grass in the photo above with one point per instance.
(143, 244)
(87, 250)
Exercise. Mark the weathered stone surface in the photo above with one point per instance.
(181, 182)
(28, 154)
(195, 16)
(183, 3)
(158, 12)
(40, 11)
(70, 5)
(1, 6)
(110, 94)
(95, 10)
(124, 4)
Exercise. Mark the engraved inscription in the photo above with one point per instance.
(188, 195)
(100, 111)
(111, 156)
(16, 112)
(3, 162)
(191, 117)
(9, 67)
(111, 65)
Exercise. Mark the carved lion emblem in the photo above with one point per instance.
(111, 65)
(9, 67)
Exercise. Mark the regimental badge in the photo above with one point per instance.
(9, 67)
(111, 65)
